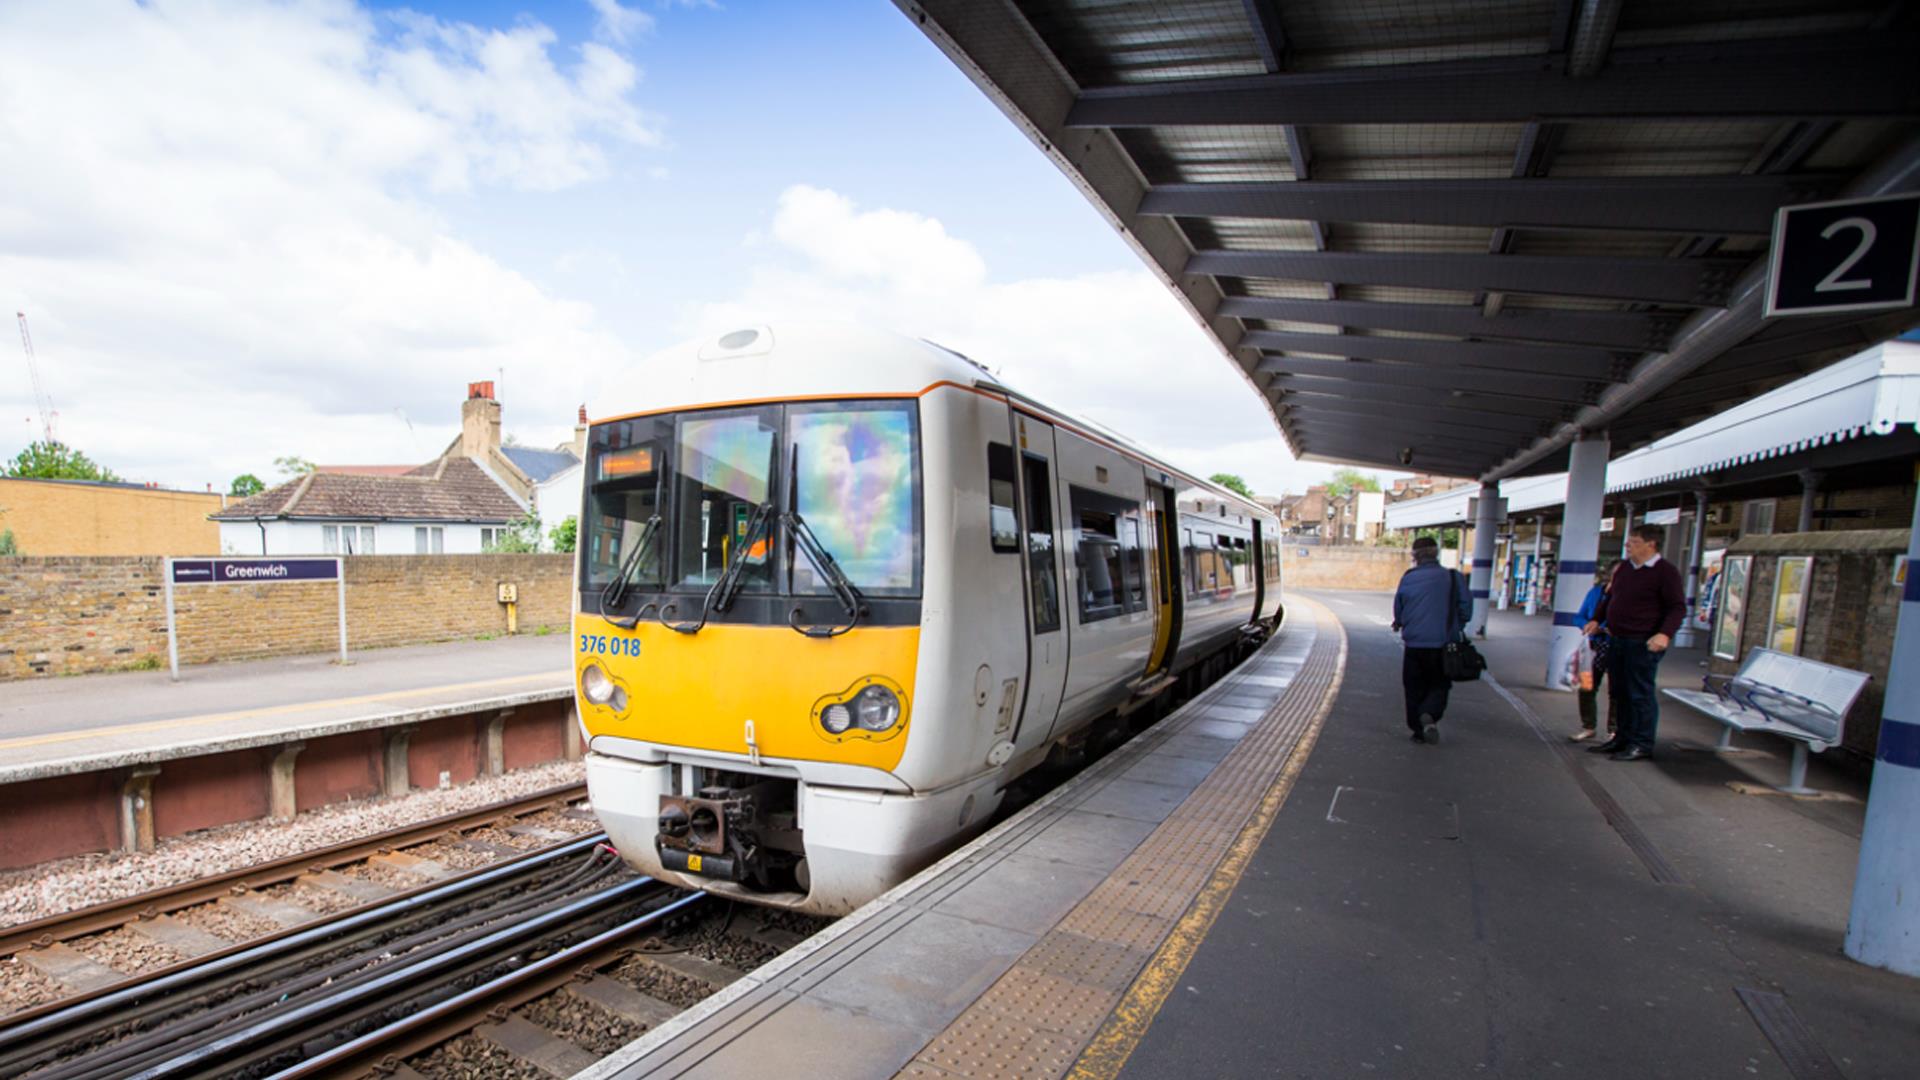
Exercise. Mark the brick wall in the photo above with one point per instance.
(75, 517)
(1342, 567)
(70, 616)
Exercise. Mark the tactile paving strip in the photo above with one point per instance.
(1037, 1019)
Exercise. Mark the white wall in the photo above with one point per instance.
(558, 498)
(305, 538)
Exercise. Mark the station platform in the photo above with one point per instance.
(53, 727)
(1275, 881)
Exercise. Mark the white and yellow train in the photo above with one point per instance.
(838, 588)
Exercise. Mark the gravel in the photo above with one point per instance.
(312, 897)
(470, 1057)
(69, 884)
(669, 986)
(382, 874)
(583, 1023)
(21, 987)
(451, 856)
(227, 922)
(126, 951)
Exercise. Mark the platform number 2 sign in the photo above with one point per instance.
(1858, 255)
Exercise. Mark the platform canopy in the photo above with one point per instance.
(1451, 236)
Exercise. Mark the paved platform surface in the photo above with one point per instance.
(49, 726)
(1501, 904)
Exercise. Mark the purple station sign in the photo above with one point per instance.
(252, 571)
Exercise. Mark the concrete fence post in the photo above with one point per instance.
(281, 802)
(576, 739)
(497, 742)
(136, 809)
(394, 762)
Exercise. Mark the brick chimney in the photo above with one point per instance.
(479, 422)
(580, 435)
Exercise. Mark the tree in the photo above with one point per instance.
(294, 466)
(1350, 479)
(1232, 483)
(565, 535)
(54, 461)
(246, 484)
(522, 535)
(7, 544)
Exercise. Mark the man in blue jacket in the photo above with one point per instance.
(1429, 609)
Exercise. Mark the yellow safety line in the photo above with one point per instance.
(1107, 1054)
(275, 710)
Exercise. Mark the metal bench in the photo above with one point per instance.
(1802, 700)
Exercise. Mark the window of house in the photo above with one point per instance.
(429, 540)
(1758, 518)
(346, 539)
(489, 536)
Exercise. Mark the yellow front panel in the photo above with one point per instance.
(699, 690)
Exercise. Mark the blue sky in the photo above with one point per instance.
(254, 230)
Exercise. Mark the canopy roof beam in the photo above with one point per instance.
(1729, 205)
(1841, 76)
(1635, 331)
(1583, 363)
(1689, 282)
(1464, 401)
(1551, 388)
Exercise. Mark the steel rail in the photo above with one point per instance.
(25, 1035)
(237, 1048)
(113, 913)
(455, 1016)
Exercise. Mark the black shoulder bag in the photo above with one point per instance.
(1459, 660)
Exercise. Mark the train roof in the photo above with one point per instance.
(823, 360)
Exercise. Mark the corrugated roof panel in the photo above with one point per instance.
(1622, 245)
(1121, 42)
(1274, 289)
(1249, 234)
(1412, 151)
(1373, 236)
(1195, 155)
(1325, 34)
(1663, 22)
(1658, 148)
(1404, 294)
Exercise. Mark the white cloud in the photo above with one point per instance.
(1114, 347)
(214, 214)
(618, 23)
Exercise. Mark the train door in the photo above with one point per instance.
(1259, 569)
(1046, 626)
(1170, 592)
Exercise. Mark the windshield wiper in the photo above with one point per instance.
(732, 576)
(615, 592)
(822, 559)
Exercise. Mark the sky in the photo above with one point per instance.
(245, 230)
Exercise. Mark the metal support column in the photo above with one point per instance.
(1626, 529)
(1809, 487)
(1884, 928)
(1535, 574)
(1688, 636)
(1486, 529)
(1579, 545)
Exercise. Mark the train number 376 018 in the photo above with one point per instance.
(602, 645)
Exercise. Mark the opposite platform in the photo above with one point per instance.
(1007, 957)
(52, 727)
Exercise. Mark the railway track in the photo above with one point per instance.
(534, 967)
(91, 952)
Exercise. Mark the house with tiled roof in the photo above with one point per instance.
(460, 503)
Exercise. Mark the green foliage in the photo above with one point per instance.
(521, 536)
(1351, 479)
(565, 534)
(294, 466)
(1448, 537)
(7, 545)
(246, 484)
(1232, 483)
(54, 461)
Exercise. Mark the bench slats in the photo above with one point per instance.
(1783, 694)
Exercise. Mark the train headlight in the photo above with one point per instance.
(597, 684)
(876, 708)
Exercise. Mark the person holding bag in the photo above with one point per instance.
(1430, 608)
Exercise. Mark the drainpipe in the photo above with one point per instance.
(263, 534)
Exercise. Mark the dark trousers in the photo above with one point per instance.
(1634, 669)
(1426, 684)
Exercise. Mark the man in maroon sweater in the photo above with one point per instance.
(1642, 610)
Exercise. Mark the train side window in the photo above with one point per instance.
(1045, 576)
(1273, 560)
(1191, 557)
(1101, 581)
(1003, 523)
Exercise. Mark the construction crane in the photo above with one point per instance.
(40, 397)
